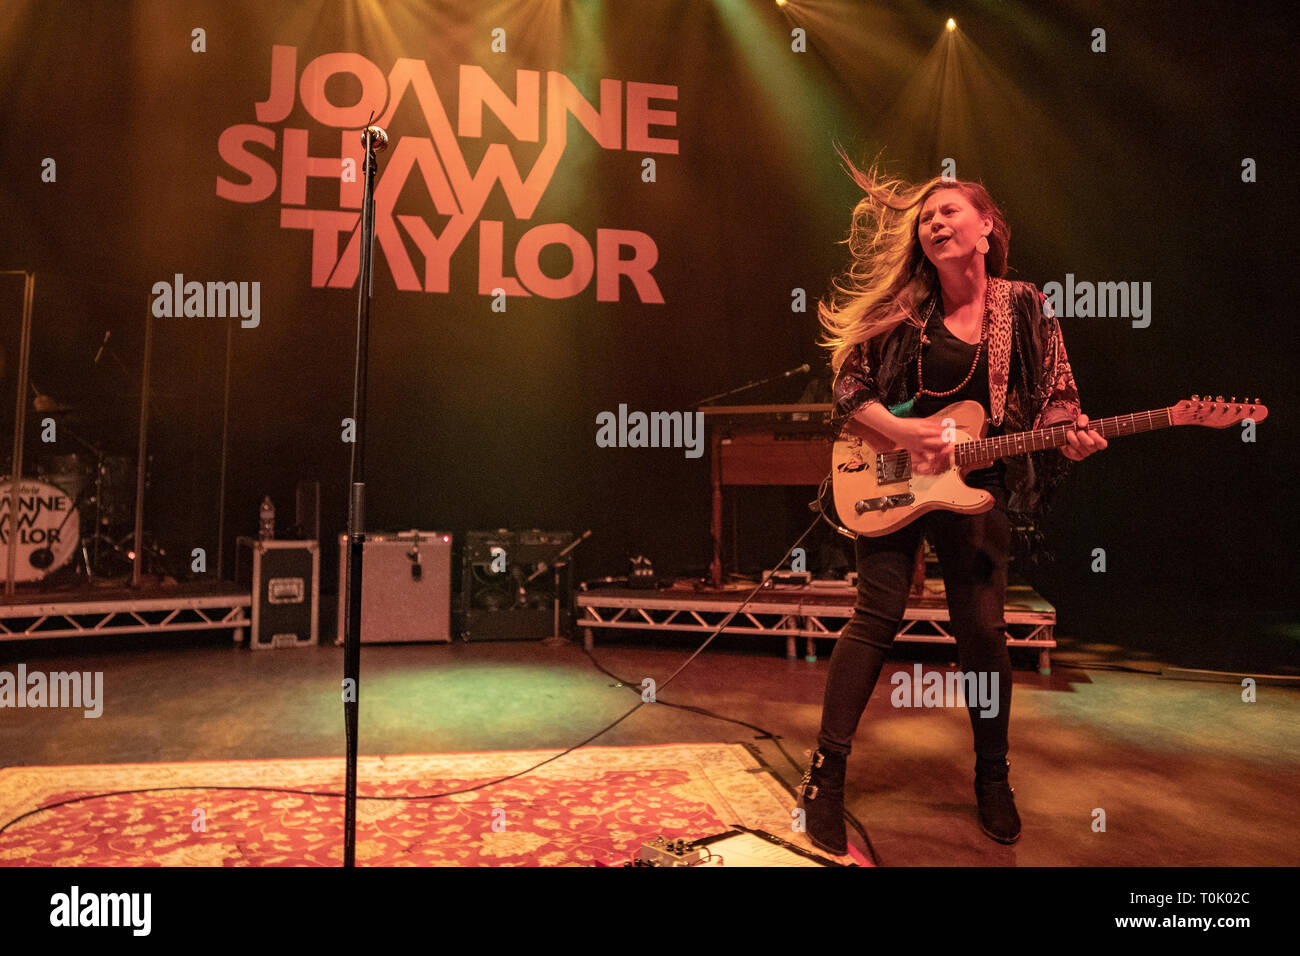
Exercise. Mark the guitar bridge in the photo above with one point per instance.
(884, 503)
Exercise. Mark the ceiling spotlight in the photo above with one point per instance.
(952, 24)
(780, 3)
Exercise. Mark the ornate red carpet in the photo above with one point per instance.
(597, 804)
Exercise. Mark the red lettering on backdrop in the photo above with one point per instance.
(528, 253)
(260, 173)
(296, 166)
(497, 164)
(312, 89)
(645, 255)
(454, 190)
(491, 259)
(279, 102)
(390, 241)
(437, 250)
(325, 226)
(640, 117)
(519, 115)
(606, 124)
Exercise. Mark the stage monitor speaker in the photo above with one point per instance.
(498, 602)
(405, 587)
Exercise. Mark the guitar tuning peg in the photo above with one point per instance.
(1218, 398)
(1256, 400)
(1234, 400)
(1196, 398)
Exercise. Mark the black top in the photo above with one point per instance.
(946, 360)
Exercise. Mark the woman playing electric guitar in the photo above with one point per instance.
(924, 318)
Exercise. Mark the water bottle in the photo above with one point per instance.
(266, 528)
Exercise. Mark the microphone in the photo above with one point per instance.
(378, 138)
(805, 367)
(100, 354)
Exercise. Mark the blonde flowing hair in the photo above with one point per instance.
(890, 276)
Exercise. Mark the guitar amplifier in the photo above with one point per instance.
(405, 587)
(284, 577)
(498, 602)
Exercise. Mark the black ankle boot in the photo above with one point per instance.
(821, 797)
(997, 806)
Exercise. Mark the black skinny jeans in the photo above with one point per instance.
(973, 554)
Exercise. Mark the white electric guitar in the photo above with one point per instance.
(876, 492)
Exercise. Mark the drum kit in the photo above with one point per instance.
(76, 513)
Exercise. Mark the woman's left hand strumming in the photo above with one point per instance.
(1082, 442)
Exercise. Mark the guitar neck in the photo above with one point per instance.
(988, 450)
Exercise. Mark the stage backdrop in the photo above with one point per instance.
(587, 206)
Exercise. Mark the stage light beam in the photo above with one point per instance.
(952, 24)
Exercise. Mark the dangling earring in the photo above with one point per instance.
(982, 247)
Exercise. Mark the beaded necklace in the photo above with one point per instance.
(984, 327)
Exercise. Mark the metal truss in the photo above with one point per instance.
(1030, 621)
(130, 615)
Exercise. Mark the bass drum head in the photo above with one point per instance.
(48, 529)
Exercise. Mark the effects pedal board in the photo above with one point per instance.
(661, 852)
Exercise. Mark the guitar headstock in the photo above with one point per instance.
(1215, 412)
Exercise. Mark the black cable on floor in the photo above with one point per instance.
(1102, 666)
(764, 734)
(448, 793)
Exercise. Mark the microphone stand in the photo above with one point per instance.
(715, 566)
(744, 388)
(557, 564)
(373, 139)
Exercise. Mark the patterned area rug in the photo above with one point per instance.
(596, 805)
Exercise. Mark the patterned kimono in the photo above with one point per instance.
(1030, 383)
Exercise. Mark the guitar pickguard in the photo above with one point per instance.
(855, 461)
(876, 490)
